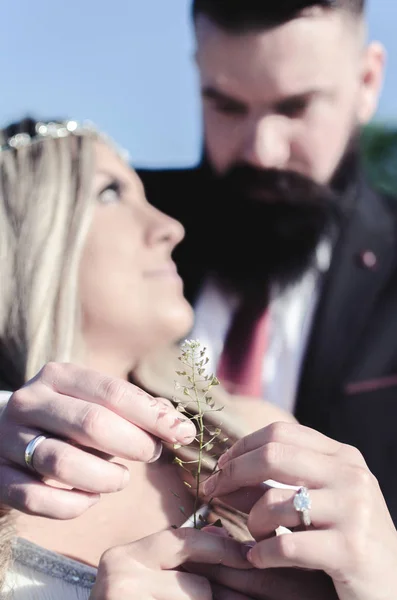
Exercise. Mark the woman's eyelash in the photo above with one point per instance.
(111, 192)
(114, 185)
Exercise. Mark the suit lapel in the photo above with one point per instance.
(350, 291)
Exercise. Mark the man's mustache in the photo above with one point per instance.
(275, 186)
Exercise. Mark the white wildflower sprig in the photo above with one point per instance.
(195, 403)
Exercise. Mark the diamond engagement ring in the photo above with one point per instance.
(30, 450)
(302, 505)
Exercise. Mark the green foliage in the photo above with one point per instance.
(379, 152)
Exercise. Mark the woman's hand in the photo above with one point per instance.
(148, 569)
(88, 418)
(352, 537)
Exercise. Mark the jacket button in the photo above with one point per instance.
(368, 260)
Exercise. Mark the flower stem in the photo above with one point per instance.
(200, 423)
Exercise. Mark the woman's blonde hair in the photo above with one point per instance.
(45, 212)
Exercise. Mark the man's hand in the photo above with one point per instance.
(87, 417)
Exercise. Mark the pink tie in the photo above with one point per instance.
(240, 366)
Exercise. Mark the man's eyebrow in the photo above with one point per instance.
(298, 97)
(212, 93)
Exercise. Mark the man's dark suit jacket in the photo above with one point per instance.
(348, 384)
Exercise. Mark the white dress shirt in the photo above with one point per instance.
(291, 312)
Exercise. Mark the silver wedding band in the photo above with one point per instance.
(302, 505)
(30, 450)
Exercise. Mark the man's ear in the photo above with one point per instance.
(374, 60)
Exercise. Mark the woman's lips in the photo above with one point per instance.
(168, 271)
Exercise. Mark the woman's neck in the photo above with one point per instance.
(109, 363)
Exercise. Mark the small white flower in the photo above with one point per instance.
(190, 345)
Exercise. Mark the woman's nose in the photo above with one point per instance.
(165, 229)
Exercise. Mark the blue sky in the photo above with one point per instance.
(126, 65)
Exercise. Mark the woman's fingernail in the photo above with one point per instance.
(186, 432)
(125, 478)
(223, 460)
(246, 549)
(210, 485)
(157, 452)
(251, 557)
(94, 499)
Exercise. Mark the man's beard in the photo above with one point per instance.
(265, 225)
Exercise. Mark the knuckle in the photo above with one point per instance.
(286, 547)
(92, 421)
(271, 453)
(28, 500)
(278, 431)
(271, 499)
(160, 411)
(51, 373)
(203, 587)
(229, 470)
(362, 479)
(112, 556)
(352, 453)
(241, 447)
(18, 403)
(56, 463)
(113, 391)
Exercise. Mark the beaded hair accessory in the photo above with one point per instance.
(56, 130)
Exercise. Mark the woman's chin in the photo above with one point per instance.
(179, 321)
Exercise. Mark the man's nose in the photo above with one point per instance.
(266, 144)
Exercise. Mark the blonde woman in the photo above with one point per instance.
(87, 278)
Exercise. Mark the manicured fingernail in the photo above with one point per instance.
(185, 432)
(157, 452)
(223, 460)
(94, 499)
(126, 479)
(210, 485)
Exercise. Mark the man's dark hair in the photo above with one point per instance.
(243, 15)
